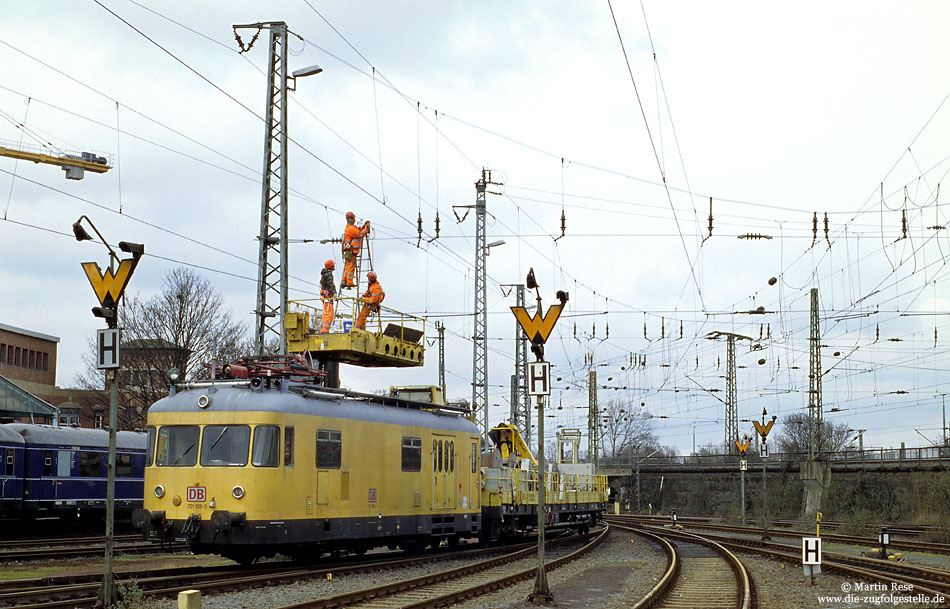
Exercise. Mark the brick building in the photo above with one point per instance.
(27, 356)
(28, 376)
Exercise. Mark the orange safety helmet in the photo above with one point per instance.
(371, 276)
(329, 264)
(350, 214)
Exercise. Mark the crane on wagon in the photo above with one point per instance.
(75, 164)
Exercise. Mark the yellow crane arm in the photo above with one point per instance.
(91, 162)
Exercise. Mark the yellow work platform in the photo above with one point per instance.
(391, 338)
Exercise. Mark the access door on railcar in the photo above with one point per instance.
(444, 474)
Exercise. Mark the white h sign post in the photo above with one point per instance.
(107, 348)
(539, 378)
(811, 557)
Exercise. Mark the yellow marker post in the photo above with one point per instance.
(818, 524)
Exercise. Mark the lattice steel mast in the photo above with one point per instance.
(520, 415)
(815, 448)
(593, 418)
(732, 410)
(272, 264)
(480, 334)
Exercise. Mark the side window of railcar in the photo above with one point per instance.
(225, 445)
(90, 464)
(266, 451)
(149, 446)
(474, 457)
(329, 448)
(452, 456)
(435, 456)
(288, 447)
(8, 469)
(440, 455)
(47, 463)
(123, 465)
(177, 446)
(412, 454)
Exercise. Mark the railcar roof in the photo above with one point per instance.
(76, 436)
(9, 436)
(242, 399)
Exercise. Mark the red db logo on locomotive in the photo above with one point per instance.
(196, 494)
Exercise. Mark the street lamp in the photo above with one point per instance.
(109, 293)
(639, 461)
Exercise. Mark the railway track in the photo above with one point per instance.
(50, 593)
(700, 574)
(917, 580)
(91, 548)
(454, 585)
(871, 542)
(925, 580)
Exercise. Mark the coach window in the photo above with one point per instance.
(225, 445)
(8, 468)
(123, 466)
(288, 447)
(149, 446)
(90, 464)
(266, 451)
(440, 455)
(48, 463)
(177, 446)
(435, 456)
(329, 448)
(474, 457)
(411, 454)
(452, 456)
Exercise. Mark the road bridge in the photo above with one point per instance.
(930, 458)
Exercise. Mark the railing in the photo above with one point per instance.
(347, 309)
(867, 456)
(520, 487)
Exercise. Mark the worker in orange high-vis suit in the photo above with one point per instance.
(327, 293)
(352, 244)
(372, 297)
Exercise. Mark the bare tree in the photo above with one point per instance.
(624, 428)
(794, 435)
(183, 328)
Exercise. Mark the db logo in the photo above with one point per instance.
(196, 494)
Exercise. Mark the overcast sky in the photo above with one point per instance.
(776, 111)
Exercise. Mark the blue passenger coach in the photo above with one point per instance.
(11, 471)
(65, 470)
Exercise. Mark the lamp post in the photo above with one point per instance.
(109, 292)
(639, 461)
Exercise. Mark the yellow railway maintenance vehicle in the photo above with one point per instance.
(575, 497)
(265, 460)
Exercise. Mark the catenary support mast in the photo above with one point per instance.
(272, 263)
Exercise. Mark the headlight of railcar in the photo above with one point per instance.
(237, 491)
(159, 491)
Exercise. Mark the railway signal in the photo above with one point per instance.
(538, 328)
(109, 288)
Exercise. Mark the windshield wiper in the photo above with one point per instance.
(187, 450)
(220, 435)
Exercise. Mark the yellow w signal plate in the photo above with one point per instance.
(743, 447)
(537, 328)
(109, 287)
